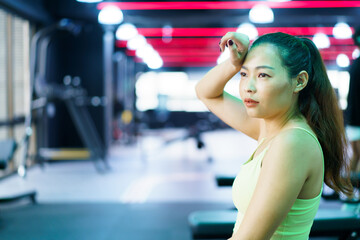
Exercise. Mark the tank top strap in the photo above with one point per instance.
(312, 135)
(322, 153)
(301, 128)
(317, 140)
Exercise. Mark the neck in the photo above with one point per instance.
(276, 124)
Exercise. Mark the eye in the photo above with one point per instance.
(263, 75)
(243, 74)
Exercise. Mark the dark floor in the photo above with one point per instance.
(148, 193)
(100, 221)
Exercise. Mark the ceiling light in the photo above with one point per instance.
(153, 60)
(126, 31)
(145, 51)
(321, 40)
(261, 14)
(110, 15)
(150, 56)
(248, 29)
(342, 60)
(167, 31)
(136, 42)
(156, 63)
(356, 53)
(342, 30)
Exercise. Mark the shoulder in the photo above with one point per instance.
(295, 138)
(295, 148)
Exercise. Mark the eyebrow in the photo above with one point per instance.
(258, 67)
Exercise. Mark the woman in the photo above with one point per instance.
(290, 108)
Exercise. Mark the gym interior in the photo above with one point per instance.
(102, 136)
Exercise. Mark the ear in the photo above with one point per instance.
(301, 81)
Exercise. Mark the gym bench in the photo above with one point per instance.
(227, 180)
(328, 222)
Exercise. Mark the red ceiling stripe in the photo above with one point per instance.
(187, 52)
(178, 55)
(164, 52)
(130, 53)
(179, 43)
(184, 58)
(211, 64)
(186, 32)
(339, 49)
(334, 54)
(189, 64)
(334, 41)
(213, 59)
(168, 59)
(227, 5)
(208, 52)
(121, 44)
(219, 32)
(333, 57)
(184, 42)
(209, 42)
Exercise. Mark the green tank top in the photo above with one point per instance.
(298, 222)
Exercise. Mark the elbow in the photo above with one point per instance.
(198, 91)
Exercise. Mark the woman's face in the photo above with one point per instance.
(265, 87)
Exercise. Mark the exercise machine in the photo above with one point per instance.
(43, 91)
(7, 150)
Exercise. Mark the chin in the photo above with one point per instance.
(253, 114)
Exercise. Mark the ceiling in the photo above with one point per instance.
(198, 26)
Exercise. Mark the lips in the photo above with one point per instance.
(249, 100)
(250, 103)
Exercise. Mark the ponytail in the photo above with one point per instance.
(318, 103)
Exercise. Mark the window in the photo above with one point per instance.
(169, 91)
(3, 69)
(14, 75)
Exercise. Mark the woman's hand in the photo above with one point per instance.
(238, 45)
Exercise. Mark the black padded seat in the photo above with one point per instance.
(212, 224)
(225, 180)
(30, 195)
(328, 222)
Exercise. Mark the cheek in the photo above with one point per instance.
(281, 95)
(274, 93)
(241, 87)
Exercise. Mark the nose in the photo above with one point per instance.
(250, 86)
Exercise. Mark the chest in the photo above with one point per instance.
(246, 180)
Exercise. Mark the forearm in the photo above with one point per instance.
(213, 83)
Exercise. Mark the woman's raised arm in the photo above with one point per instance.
(210, 89)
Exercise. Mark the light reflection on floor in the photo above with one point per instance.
(160, 167)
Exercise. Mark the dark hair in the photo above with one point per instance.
(317, 102)
(356, 37)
